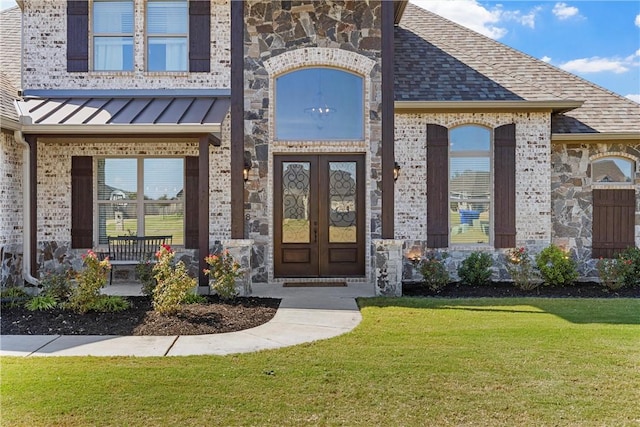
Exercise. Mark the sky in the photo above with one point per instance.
(599, 40)
(596, 40)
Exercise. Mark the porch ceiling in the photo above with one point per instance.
(132, 112)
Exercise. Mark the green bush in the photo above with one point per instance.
(629, 261)
(223, 270)
(110, 304)
(435, 275)
(475, 270)
(144, 272)
(13, 296)
(57, 284)
(173, 282)
(41, 303)
(609, 271)
(90, 280)
(556, 267)
(192, 298)
(520, 267)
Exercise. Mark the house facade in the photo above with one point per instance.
(318, 141)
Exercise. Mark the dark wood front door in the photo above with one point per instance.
(319, 214)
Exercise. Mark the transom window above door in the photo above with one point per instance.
(319, 104)
(617, 170)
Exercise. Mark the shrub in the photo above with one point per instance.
(520, 267)
(90, 280)
(556, 266)
(173, 282)
(110, 304)
(57, 284)
(609, 271)
(224, 271)
(192, 298)
(144, 272)
(41, 303)
(435, 275)
(475, 270)
(629, 261)
(13, 296)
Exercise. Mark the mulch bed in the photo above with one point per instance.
(504, 290)
(195, 319)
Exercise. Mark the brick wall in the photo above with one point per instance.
(44, 59)
(11, 213)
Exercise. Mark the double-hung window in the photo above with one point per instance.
(113, 35)
(167, 24)
(470, 184)
(141, 196)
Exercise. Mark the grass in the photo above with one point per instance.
(412, 361)
(155, 225)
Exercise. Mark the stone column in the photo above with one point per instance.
(240, 250)
(388, 267)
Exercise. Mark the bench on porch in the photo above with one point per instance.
(132, 250)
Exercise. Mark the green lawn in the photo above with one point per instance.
(155, 225)
(435, 362)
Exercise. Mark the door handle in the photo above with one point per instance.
(315, 232)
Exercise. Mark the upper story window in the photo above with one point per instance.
(167, 35)
(113, 35)
(319, 104)
(470, 184)
(615, 170)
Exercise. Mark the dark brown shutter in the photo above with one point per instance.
(191, 203)
(199, 35)
(504, 190)
(81, 202)
(77, 36)
(613, 222)
(437, 186)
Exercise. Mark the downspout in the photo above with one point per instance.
(26, 209)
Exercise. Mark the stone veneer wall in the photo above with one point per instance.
(44, 57)
(11, 214)
(533, 181)
(571, 190)
(281, 36)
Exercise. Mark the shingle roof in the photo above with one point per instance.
(10, 44)
(438, 60)
(7, 94)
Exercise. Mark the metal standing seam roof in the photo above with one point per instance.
(123, 113)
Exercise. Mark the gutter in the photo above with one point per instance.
(554, 106)
(26, 208)
(595, 137)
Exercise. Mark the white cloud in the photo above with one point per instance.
(563, 11)
(468, 13)
(598, 65)
(546, 59)
(637, 21)
(635, 98)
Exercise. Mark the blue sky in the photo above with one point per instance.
(597, 40)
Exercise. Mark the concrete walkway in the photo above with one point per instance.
(304, 315)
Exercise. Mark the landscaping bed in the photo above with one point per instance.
(213, 317)
(506, 289)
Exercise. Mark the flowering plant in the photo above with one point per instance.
(434, 273)
(172, 282)
(90, 281)
(520, 267)
(224, 271)
(610, 272)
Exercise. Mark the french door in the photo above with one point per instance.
(319, 215)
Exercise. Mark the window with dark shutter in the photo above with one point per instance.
(81, 202)
(505, 186)
(199, 35)
(77, 36)
(191, 203)
(437, 186)
(613, 221)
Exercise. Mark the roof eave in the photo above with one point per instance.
(128, 129)
(10, 124)
(595, 137)
(485, 106)
(399, 7)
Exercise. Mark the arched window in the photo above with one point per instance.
(612, 169)
(470, 184)
(319, 104)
